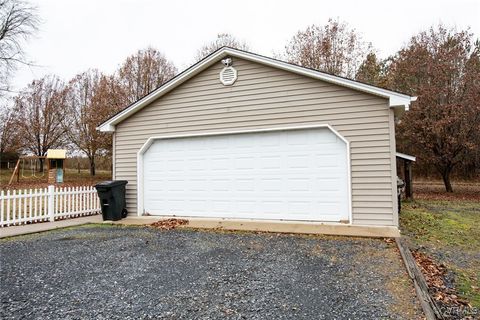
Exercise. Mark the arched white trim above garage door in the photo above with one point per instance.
(151, 140)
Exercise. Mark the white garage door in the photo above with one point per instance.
(290, 174)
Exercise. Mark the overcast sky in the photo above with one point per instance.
(79, 34)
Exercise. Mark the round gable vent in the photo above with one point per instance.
(228, 76)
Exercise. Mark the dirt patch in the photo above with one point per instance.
(399, 285)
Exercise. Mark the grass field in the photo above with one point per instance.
(72, 177)
(449, 232)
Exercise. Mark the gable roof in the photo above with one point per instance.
(396, 99)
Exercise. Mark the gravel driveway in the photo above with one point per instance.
(113, 272)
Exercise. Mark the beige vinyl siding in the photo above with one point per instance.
(265, 97)
(393, 164)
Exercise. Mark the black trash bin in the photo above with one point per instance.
(112, 199)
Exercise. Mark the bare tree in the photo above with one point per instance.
(223, 40)
(143, 72)
(40, 113)
(91, 98)
(8, 132)
(18, 21)
(332, 48)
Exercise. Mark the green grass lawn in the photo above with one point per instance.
(449, 231)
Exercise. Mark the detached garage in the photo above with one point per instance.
(242, 136)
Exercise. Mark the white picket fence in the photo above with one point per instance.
(49, 204)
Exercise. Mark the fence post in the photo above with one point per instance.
(51, 202)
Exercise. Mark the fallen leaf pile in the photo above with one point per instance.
(434, 274)
(169, 224)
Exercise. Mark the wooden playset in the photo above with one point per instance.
(29, 167)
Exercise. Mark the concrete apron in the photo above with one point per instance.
(223, 224)
(281, 226)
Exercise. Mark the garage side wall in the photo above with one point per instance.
(265, 97)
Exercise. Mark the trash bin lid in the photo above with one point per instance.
(111, 183)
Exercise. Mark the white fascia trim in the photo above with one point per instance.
(395, 99)
(406, 156)
(148, 143)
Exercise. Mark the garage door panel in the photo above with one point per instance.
(294, 174)
(275, 187)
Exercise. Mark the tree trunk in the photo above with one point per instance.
(41, 160)
(446, 179)
(92, 165)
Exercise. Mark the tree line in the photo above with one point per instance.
(440, 65)
(51, 113)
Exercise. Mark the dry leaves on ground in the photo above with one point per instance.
(389, 240)
(435, 276)
(169, 224)
(431, 190)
